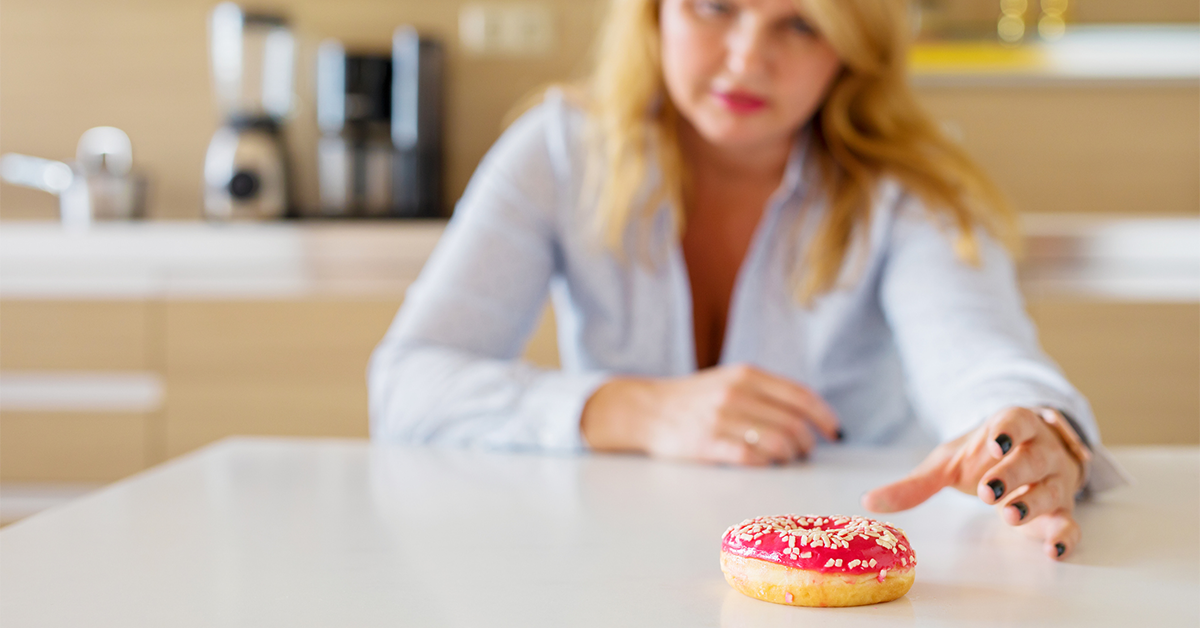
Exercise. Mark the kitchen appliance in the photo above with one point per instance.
(354, 112)
(245, 168)
(418, 67)
(99, 185)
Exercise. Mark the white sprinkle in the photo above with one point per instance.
(854, 563)
(806, 555)
(830, 563)
(872, 563)
(839, 562)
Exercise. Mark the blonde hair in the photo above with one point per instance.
(870, 126)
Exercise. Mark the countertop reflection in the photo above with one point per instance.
(310, 532)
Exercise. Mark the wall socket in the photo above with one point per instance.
(506, 29)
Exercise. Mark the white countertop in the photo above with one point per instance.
(1116, 54)
(209, 260)
(1127, 258)
(258, 532)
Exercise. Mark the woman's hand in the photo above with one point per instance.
(730, 414)
(1015, 461)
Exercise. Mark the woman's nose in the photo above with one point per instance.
(746, 47)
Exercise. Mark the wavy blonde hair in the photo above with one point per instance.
(869, 127)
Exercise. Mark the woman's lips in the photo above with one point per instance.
(740, 102)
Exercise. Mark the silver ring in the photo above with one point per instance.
(751, 436)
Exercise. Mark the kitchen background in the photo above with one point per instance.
(133, 343)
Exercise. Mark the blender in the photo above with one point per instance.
(245, 168)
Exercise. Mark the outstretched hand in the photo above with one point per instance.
(1015, 461)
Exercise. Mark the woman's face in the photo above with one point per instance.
(744, 73)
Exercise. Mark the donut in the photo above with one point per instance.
(818, 561)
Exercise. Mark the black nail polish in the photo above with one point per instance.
(997, 488)
(841, 435)
(1004, 442)
(1061, 548)
(1022, 509)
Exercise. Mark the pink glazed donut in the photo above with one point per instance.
(818, 561)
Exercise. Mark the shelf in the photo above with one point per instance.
(1085, 54)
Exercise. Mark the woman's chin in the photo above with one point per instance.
(742, 132)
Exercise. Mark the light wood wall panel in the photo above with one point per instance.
(142, 66)
(1089, 11)
(1082, 149)
(1138, 364)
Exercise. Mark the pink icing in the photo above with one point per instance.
(817, 543)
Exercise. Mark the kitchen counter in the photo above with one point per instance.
(1121, 258)
(1084, 55)
(254, 532)
(204, 260)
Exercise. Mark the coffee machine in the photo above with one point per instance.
(245, 168)
(354, 113)
(418, 66)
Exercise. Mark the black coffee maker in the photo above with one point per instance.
(354, 113)
(418, 67)
(380, 152)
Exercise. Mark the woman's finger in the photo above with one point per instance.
(727, 451)
(770, 441)
(1010, 428)
(1035, 500)
(795, 397)
(754, 409)
(931, 476)
(1027, 463)
(1060, 533)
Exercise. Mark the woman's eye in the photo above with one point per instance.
(712, 8)
(801, 26)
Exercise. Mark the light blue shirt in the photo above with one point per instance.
(914, 346)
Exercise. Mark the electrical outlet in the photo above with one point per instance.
(503, 29)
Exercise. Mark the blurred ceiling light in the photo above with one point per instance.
(1011, 27)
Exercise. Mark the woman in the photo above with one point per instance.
(755, 241)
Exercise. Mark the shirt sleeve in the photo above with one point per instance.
(968, 348)
(447, 370)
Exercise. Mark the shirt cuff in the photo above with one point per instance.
(560, 400)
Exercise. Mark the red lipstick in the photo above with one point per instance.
(741, 102)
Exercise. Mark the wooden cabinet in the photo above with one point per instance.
(268, 367)
(1137, 363)
(84, 339)
(1118, 149)
(74, 446)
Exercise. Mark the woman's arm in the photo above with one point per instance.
(979, 377)
(448, 371)
(968, 347)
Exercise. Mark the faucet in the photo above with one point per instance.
(100, 183)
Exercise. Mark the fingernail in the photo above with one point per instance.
(1004, 442)
(1062, 549)
(997, 488)
(841, 435)
(1022, 509)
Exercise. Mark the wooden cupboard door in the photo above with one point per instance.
(1138, 364)
(1075, 148)
(268, 367)
(73, 446)
(283, 367)
(75, 442)
(76, 335)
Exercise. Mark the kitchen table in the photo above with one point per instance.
(291, 532)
